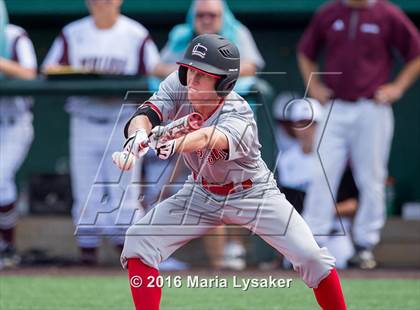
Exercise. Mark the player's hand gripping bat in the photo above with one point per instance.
(132, 150)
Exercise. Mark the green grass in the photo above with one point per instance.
(88, 292)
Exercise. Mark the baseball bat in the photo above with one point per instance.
(179, 128)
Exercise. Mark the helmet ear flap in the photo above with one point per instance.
(224, 86)
(182, 75)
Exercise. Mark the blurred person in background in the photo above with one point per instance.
(358, 37)
(299, 119)
(208, 17)
(283, 137)
(17, 61)
(105, 42)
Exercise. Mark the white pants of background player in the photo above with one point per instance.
(363, 131)
(106, 201)
(15, 139)
(193, 211)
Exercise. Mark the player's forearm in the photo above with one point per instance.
(15, 70)
(205, 138)
(307, 67)
(248, 69)
(347, 207)
(162, 70)
(139, 122)
(408, 74)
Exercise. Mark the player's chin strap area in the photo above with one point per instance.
(223, 189)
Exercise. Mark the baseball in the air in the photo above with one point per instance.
(124, 160)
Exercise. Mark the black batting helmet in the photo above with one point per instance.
(215, 56)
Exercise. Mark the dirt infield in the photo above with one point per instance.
(115, 271)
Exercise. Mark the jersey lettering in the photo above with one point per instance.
(213, 156)
(104, 64)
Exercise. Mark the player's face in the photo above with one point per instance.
(201, 88)
(103, 7)
(208, 16)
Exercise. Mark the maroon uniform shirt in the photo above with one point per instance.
(359, 42)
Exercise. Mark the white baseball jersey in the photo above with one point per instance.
(233, 117)
(295, 168)
(124, 49)
(21, 51)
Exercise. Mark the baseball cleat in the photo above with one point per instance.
(363, 259)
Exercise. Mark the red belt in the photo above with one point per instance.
(224, 189)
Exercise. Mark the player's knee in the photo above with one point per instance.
(314, 265)
(311, 259)
(139, 243)
(136, 238)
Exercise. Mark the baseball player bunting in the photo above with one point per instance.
(227, 175)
